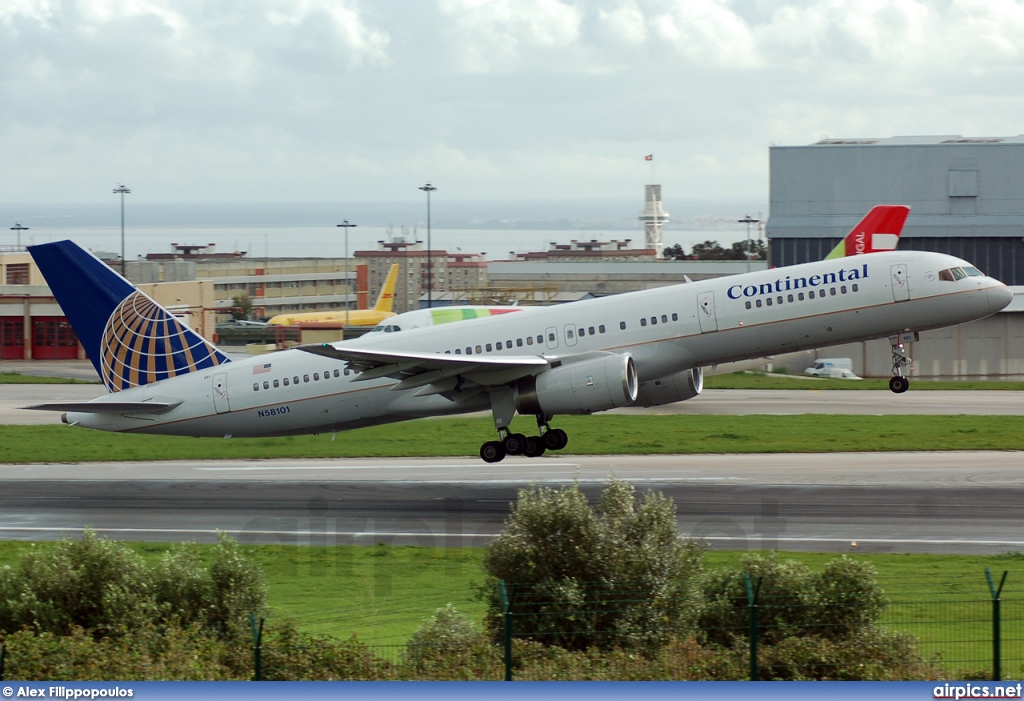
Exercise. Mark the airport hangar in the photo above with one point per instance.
(966, 199)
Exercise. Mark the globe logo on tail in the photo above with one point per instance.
(143, 343)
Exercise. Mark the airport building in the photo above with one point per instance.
(964, 194)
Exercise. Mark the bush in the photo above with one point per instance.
(103, 587)
(618, 575)
(449, 646)
(793, 601)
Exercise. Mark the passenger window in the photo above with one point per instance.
(469, 351)
(295, 379)
(276, 383)
(551, 337)
(591, 330)
(854, 287)
(447, 352)
(255, 386)
(508, 343)
(654, 320)
(569, 334)
(800, 296)
(519, 342)
(748, 305)
(479, 350)
(583, 332)
(758, 304)
(768, 301)
(675, 317)
(316, 377)
(286, 381)
(643, 322)
(266, 384)
(778, 300)
(305, 378)
(458, 351)
(790, 298)
(622, 326)
(842, 290)
(499, 346)
(601, 328)
(810, 295)
(488, 348)
(832, 291)
(540, 338)
(529, 340)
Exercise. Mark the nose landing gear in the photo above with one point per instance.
(899, 383)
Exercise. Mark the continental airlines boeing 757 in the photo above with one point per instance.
(642, 348)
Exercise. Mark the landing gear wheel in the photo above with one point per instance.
(556, 439)
(899, 384)
(492, 451)
(514, 443)
(534, 447)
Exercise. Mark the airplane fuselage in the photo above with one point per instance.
(666, 330)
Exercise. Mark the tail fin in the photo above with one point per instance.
(386, 299)
(131, 340)
(879, 230)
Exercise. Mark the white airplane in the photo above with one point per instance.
(641, 348)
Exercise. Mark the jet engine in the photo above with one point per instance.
(669, 390)
(597, 384)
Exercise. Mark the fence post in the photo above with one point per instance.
(257, 647)
(997, 653)
(752, 595)
(507, 594)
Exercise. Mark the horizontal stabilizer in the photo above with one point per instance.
(95, 407)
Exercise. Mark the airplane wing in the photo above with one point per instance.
(435, 372)
(95, 407)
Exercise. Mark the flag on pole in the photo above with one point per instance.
(649, 157)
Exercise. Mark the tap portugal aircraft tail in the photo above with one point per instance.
(879, 230)
(130, 339)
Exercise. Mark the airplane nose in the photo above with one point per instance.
(999, 297)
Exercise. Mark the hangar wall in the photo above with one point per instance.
(965, 197)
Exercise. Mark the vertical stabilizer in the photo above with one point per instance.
(879, 230)
(386, 299)
(130, 339)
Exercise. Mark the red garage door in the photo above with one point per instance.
(12, 338)
(53, 339)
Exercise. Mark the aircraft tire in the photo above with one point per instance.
(514, 444)
(492, 451)
(899, 384)
(556, 439)
(534, 447)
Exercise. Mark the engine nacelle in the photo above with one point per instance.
(598, 384)
(669, 390)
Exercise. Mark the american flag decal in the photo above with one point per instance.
(257, 369)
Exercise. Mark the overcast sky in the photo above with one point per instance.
(365, 100)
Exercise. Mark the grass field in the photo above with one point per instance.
(589, 435)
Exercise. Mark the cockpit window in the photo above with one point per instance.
(954, 274)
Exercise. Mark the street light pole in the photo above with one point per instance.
(122, 190)
(19, 228)
(348, 283)
(428, 188)
(748, 220)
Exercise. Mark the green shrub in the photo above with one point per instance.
(614, 575)
(450, 646)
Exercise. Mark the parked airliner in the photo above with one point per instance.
(642, 348)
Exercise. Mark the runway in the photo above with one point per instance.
(969, 502)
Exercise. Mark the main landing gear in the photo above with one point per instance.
(899, 383)
(518, 444)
